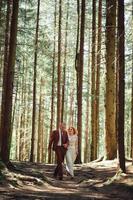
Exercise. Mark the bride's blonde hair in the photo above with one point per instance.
(74, 130)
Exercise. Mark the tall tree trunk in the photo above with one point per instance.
(93, 80)
(21, 128)
(53, 81)
(59, 67)
(77, 40)
(45, 143)
(77, 49)
(0, 8)
(32, 155)
(7, 94)
(86, 147)
(132, 102)
(42, 150)
(21, 139)
(17, 137)
(111, 144)
(15, 101)
(28, 119)
(64, 68)
(87, 138)
(6, 52)
(80, 80)
(97, 92)
(8, 3)
(18, 119)
(121, 85)
(71, 114)
(39, 146)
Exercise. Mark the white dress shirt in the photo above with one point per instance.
(60, 135)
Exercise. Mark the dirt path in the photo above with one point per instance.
(92, 181)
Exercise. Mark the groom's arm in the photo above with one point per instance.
(67, 141)
(51, 140)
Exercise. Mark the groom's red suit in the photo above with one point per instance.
(59, 140)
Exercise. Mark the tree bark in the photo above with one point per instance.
(59, 67)
(121, 85)
(87, 133)
(7, 95)
(93, 80)
(110, 137)
(97, 92)
(40, 125)
(132, 101)
(65, 64)
(6, 50)
(80, 80)
(71, 114)
(32, 155)
(53, 81)
(77, 49)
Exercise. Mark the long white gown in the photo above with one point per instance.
(71, 153)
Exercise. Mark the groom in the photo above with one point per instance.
(59, 140)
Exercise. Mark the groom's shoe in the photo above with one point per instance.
(54, 176)
(61, 178)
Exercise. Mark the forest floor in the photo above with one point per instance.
(94, 180)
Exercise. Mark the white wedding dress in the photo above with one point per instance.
(71, 153)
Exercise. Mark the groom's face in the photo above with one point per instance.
(62, 126)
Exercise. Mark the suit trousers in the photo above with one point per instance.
(60, 154)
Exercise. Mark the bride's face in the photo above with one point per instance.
(70, 131)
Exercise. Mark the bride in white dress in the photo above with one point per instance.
(72, 150)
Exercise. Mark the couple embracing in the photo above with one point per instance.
(65, 145)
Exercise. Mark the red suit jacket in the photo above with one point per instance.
(54, 138)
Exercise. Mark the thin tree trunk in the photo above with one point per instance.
(77, 50)
(6, 53)
(45, 143)
(17, 137)
(86, 147)
(64, 68)
(87, 139)
(71, 114)
(42, 152)
(32, 155)
(0, 8)
(53, 81)
(97, 92)
(93, 80)
(8, 3)
(39, 131)
(43, 129)
(77, 40)
(21, 139)
(121, 85)
(28, 119)
(18, 120)
(14, 104)
(39, 147)
(132, 102)
(80, 83)
(110, 139)
(25, 109)
(59, 67)
(21, 128)
(8, 88)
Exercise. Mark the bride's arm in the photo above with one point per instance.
(76, 145)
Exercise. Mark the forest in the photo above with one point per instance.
(66, 61)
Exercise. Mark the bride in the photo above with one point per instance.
(72, 150)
